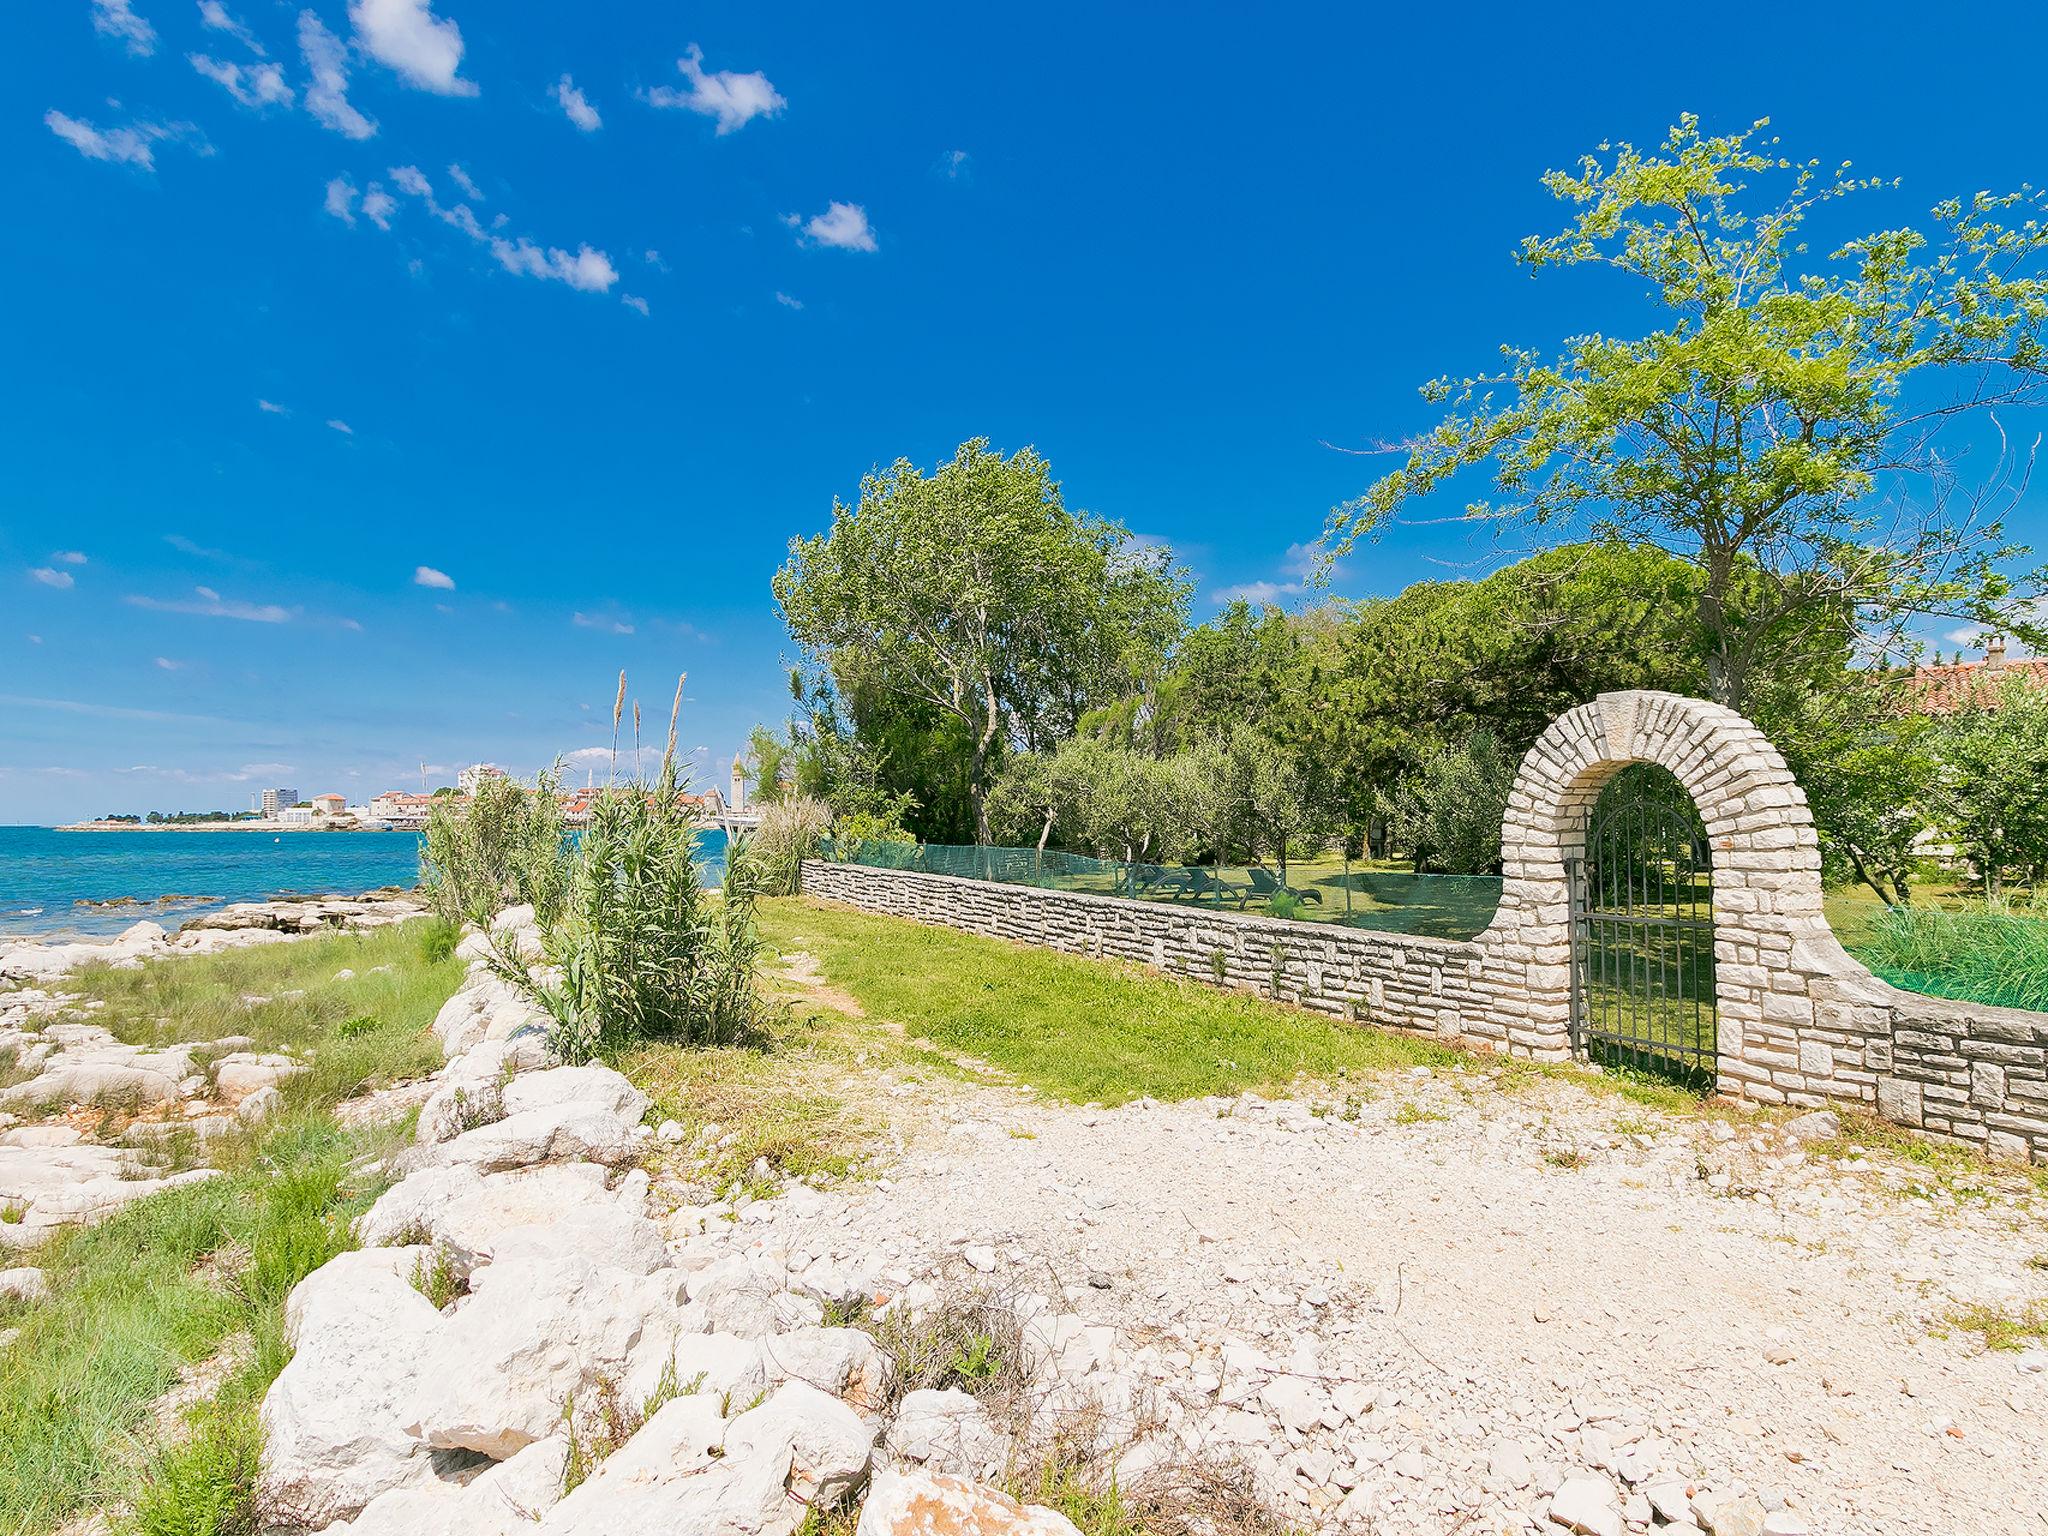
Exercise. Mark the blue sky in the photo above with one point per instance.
(385, 376)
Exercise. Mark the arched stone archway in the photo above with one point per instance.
(1766, 892)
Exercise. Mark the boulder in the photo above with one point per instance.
(599, 1087)
(551, 1134)
(737, 1298)
(24, 1285)
(261, 1105)
(237, 1075)
(504, 1501)
(331, 1437)
(1587, 1504)
(1817, 1125)
(844, 1362)
(944, 1432)
(931, 1504)
(671, 1477)
(533, 1334)
(822, 1447)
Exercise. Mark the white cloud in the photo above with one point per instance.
(634, 301)
(214, 15)
(117, 19)
(123, 146)
(67, 557)
(588, 271)
(653, 259)
(338, 425)
(587, 757)
(405, 34)
(271, 408)
(427, 576)
(168, 665)
(253, 85)
(732, 98)
(209, 604)
(577, 106)
(843, 226)
(378, 206)
(1299, 564)
(339, 203)
(327, 91)
(610, 623)
(470, 189)
(50, 576)
(956, 165)
(786, 301)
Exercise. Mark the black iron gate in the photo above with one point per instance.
(1643, 932)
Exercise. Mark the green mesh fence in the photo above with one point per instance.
(1326, 889)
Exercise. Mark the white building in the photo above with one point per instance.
(330, 805)
(295, 816)
(475, 774)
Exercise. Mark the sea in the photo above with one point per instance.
(58, 884)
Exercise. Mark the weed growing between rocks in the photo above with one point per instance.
(967, 1341)
(607, 1420)
(438, 1281)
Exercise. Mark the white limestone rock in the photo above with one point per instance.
(599, 1087)
(944, 1432)
(331, 1437)
(552, 1133)
(532, 1334)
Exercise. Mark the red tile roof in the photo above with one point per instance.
(1946, 689)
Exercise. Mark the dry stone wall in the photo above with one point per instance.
(1801, 1021)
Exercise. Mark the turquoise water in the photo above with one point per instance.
(45, 875)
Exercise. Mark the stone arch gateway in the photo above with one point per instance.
(1766, 871)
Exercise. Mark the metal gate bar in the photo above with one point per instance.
(1642, 932)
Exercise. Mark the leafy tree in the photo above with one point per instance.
(1989, 788)
(1450, 813)
(1751, 432)
(973, 591)
(768, 762)
(1275, 796)
(1866, 766)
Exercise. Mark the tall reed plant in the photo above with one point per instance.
(639, 950)
(504, 846)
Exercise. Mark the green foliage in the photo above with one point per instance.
(973, 592)
(1450, 813)
(1989, 790)
(1998, 957)
(503, 847)
(1748, 433)
(639, 951)
(205, 1483)
(792, 829)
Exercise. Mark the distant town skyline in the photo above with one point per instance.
(384, 379)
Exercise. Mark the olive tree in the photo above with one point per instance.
(1777, 427)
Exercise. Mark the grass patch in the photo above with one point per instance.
(1079, 1030)
(355, 1032)
(1954, 1168)
(162, 1284)
(2000, 1328)
(1992, 957)
(1411, 1113)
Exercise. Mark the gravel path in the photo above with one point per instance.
(1418, 1324)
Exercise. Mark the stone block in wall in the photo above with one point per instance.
(1987, 1084)
(1900, 1101)
(1816, 1057)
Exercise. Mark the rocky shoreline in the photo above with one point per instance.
(234, 926)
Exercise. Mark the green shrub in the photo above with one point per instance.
(640, 951)
(503, 848)
(205, 1483)
(791, 831)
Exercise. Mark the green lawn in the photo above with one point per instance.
(167, 1281)
(1078, 1030)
